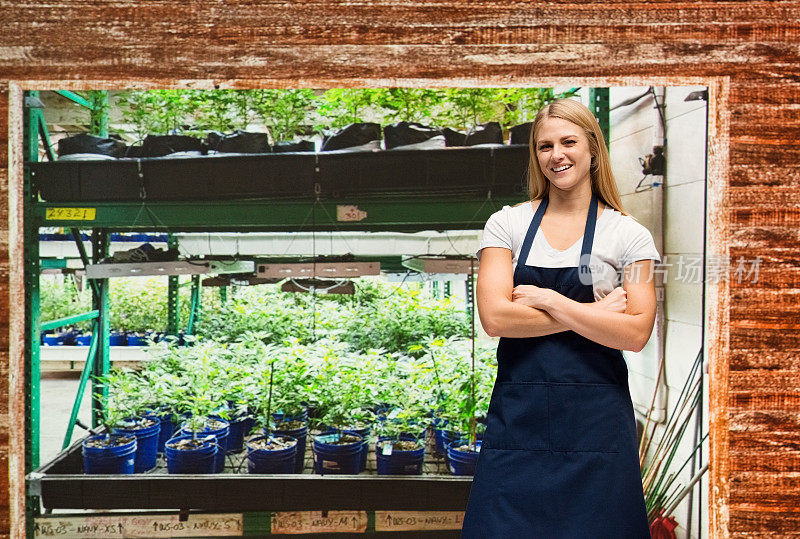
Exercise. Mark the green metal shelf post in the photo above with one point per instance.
(100, 304)
(598, 104)
(194, 310)
(32, 271)
(173, 307)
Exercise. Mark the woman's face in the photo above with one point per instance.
(562, 150)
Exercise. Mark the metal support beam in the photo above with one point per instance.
(173, 311)
(87, 368)
(76, 234)
(403, 214)
(101, 360)
(598, 104)
(470, 284)
(69, 320)
(32, 271)
(44, 134)
(194, 310)
(223, 294)
(72, 96)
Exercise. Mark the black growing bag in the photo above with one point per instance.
(289, 146)
(356, 134)
(86, 143)
(160, 145)
(488, 133)
(239, 142)
(405, 133)
(453, 137)
(520, 134)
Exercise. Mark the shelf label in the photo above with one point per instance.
(70, 214)
(103, 527)
(350, 213)
(396, 521)
(296, 522)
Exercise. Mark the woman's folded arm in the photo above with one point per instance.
(501, 316)
(629, 330)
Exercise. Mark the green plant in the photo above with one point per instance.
(220, 110)
(284, 112)
(468, 107)
(156, 112)
(342, 400)
(59, 299)
(339, 107)
(125, 398)
(407, 104)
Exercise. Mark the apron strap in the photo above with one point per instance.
(526, 245)
(588, 236)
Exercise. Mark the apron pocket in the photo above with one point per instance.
(517, 417)
(585, 417)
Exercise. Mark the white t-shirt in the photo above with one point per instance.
(619, 240)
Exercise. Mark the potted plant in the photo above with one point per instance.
(200, 447)
(344, 417)
(400, 449)
(269, 452)
(126, 404)
(108, 452)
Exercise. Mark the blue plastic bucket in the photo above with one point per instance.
(239, 428)
(84, 339)
(114, 459)
(191, 461)
(271, 461)
(136, 339)
(364, 433)
(117, 338)
(221, 434)
(168, 430)
(399, 462)
(53, 339)
(300, 434)
(462, 462)
(146, 444)
(331, 458)
(280, 417)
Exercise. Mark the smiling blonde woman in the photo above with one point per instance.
(565, 281)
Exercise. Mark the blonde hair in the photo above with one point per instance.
(603, 184)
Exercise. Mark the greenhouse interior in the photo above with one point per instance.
(266, 298)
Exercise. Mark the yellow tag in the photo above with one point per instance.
(70, 214)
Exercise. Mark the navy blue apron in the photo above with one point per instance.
(559, 458)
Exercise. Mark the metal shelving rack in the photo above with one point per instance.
(403, 214)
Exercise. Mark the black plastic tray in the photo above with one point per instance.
(61, 484)
(466, 171)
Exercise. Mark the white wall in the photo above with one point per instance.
(632, 130)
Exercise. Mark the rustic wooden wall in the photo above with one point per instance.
(748, 52)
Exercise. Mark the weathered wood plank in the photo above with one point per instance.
(765, 358)
(247, 43)
(374, 23)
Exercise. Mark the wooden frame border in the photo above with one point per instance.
(718, 220)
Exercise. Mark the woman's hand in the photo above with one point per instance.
(616, 301)
(532, 296)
